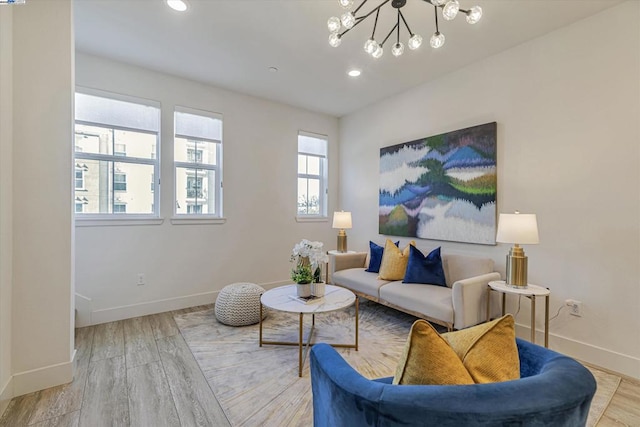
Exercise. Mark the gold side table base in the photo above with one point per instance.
(305, 345)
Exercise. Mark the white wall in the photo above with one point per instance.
(188, 264)
(6, 248)
(42, 327)
(567, 107)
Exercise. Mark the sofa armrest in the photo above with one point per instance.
(345, 261)
(470, 300)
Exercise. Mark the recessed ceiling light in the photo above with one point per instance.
(179, 5)
(354, 73)
(273, 69)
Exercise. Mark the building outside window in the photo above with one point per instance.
(79, 185)
(312, 175)
(116, 139)
(198, 162)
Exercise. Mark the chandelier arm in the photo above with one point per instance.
(435, 13)
(375, 24)
(388, 35)
(405, 23)
(358, 8)
(373, 10)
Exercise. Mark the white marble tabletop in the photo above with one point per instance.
(529, 290)
(280, 298)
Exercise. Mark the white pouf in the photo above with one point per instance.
(238, 304)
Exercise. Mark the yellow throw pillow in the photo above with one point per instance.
(488, 351)
(428, 359)
(394, 261)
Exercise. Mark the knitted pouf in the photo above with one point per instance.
(238, 304)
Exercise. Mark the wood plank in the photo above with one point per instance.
(19, 410)
(195, 402)
(106, 401)
(150, 400)
(139, 342)
(624, 408)
(63, 399)
(163, 325)
(108, 341)
(71, 419)
(193, 309)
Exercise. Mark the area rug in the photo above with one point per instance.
(259, 386)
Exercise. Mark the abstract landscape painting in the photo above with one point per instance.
(442, 187)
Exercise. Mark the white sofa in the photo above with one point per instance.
(462, 303)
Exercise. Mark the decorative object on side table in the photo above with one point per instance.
(308, 257)
(518, 229)
(342, 220)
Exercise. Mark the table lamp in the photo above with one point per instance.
(519, 229)
(342, 220)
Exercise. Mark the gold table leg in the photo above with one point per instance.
(533, 318)
(261, 323)
(488, 303)
(546, 321)
(357, 299)
(504, 303)
(300, 347)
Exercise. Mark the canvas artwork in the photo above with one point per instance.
(442, 187)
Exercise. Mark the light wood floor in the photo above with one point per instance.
(139, 372)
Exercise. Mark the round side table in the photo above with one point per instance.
(531, 292)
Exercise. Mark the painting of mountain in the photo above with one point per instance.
(441, 187)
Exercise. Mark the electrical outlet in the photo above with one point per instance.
(140, 279)
(575, 307)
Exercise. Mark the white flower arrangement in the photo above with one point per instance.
(309, 258)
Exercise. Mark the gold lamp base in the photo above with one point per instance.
(342, 241)
(516, 268)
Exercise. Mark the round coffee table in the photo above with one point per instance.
(283, 298)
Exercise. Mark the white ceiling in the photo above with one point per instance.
(232, 43)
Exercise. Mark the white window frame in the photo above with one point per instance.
(189, 218)
(113, 218)
(323, 178)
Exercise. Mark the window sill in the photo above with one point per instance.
(102, 222)
(197, 220)
(312, 219)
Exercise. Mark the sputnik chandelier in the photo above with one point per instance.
(338, 27)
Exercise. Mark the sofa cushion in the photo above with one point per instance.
(429, 300)
(394, 261)
(424, 269)
(375, 257)
(359, 280)
(488, 350)
(428, 358)
(458, 267)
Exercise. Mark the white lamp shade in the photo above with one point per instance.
(518, 228)
(342, 220)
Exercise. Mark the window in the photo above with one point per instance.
(312, 175)
(198, 162)
(116, 140)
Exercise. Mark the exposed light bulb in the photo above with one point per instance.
(450, 10)
(397, 49)
(415, 41)
(437, 40)
(346, 3)
(178, 5)
(333, 24)
(335, 40)
(438, 2)
(378, 52)
(354, 73)
(370, 46)
(474, 14)
(348, 20)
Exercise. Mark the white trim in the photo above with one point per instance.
(597, 356)
(301, 218)
(6, 394)
(101, 222)
(197, 112)
(120, 97)
(196, 220)
(313, 135)
(45, 377)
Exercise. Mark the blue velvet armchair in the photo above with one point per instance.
(554, 390)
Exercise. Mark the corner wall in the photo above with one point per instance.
(567, 106)
(42, 327)
(186, 265)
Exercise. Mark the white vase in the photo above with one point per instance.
(303, 290)
(317, 289)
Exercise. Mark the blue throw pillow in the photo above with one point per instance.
(375, 257)
(424, 269)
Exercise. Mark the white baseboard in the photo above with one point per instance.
(6, 394)
(41, 378)
(95, 317)
(613, 361)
